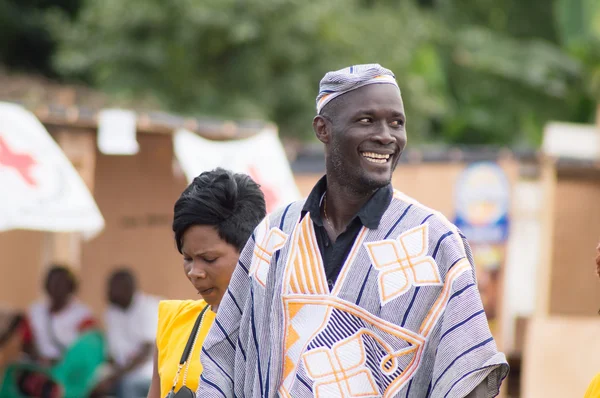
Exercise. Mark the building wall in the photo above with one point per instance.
(136, 195)
(574, 288)
(21, 265)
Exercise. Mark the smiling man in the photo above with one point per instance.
(359, 290)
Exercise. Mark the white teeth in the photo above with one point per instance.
(376, 160)
(375, 157)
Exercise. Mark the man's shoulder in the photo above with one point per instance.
(425, 213)
(275, 219)
(288, 209)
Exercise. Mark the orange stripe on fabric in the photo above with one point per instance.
(349, 261)
(440, 303)
(303, 265)
(308, 260)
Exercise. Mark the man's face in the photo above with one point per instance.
(59, 288)
(120, 292)
(367, 137)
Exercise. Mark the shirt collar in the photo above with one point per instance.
(370, 213)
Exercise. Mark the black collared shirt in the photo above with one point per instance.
(334, 253)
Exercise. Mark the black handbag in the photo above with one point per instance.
(184, 391)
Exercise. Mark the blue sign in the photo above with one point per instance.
(482, 202)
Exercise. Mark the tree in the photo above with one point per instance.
(507, 74)
(251, 60)
(25, 40)
(471, 71)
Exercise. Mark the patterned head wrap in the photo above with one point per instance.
(344, 80)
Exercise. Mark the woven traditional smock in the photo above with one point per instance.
(404, 318)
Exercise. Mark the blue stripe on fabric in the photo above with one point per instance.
(213, 385)
(464, 376)
(303, 382)
(216, 363)
(239, 345)
(267, 379)
(397, 222)
(426, 218)
(281, 228)
(243, 266)
(460, 291)
(253, 237)
(410, 306)
(260, 381)
(460, 356)
(352, 69)
(437, 247)
(409, 386)
(283, 216)
(362, 288)
(234, 301)
(454, 263)
(429, 387)
(461, 323)
(224, 333)
(349, 324)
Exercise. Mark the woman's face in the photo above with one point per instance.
(208, 262)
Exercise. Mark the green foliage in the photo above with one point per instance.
(239, 59)
(25, 41)
(471, 71)
(579, 24)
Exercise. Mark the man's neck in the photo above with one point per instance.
(342, 203)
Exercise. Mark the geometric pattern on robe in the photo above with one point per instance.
(403, 319)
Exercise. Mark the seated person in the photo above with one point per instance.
(58, 320)
(131, 321)
(16, 378)
(66, 335)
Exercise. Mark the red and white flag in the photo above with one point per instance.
(262, 157)
(39, 187)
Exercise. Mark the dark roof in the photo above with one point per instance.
(72, 105)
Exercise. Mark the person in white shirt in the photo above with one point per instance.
(131, 320)
(58, 320)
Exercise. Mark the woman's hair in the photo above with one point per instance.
(232, 203)
(60, 270)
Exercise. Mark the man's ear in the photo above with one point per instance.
(322, 128)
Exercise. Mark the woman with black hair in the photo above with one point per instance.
(213, 219)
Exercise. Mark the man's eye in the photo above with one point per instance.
(397, 123)
(210, 260)
(365, 120)
(187, 259)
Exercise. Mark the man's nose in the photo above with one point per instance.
(384, 134)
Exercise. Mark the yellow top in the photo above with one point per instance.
(593, 390)
(176, 320)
